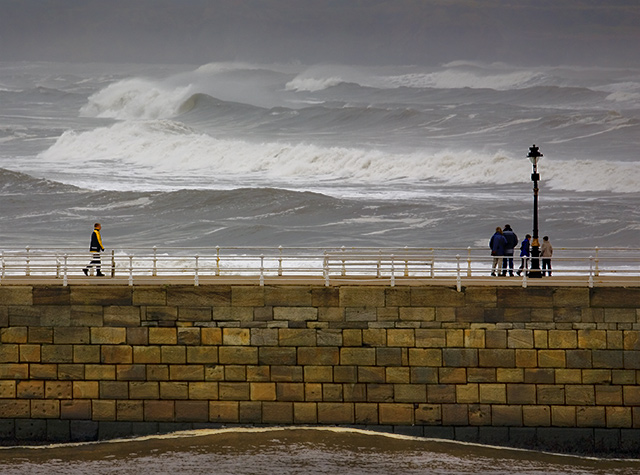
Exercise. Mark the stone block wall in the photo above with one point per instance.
(549, 367)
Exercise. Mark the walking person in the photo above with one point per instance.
(512, 242)
(497, 244)
(546, 251)
(95, 248)
(525, 252)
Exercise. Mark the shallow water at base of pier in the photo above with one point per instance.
(293, 451)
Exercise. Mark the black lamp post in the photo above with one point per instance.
(534, 271)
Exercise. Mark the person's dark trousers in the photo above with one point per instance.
(524, 265)
(507, 261)
(95, 261)
(546, 264)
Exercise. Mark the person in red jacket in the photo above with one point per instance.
(95, 248)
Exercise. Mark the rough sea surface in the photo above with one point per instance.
(297, 155)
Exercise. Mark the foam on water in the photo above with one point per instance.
(167, 146)
(296, 450)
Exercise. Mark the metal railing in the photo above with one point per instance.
(575, 265)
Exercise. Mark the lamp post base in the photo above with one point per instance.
(534, 270)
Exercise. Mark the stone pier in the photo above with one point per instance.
(548, 367)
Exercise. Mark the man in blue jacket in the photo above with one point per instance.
(512, 242)
(497, 244)
(95, 248)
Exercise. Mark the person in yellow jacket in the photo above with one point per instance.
(95, 248)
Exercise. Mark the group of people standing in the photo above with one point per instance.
(503, 244)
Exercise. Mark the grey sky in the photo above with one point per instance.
(589, 32)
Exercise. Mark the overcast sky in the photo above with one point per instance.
(529, 32)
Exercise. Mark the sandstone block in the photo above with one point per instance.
(401, 337)
(174, 390)
(441, 393)
(618, 417)
(203, 390)
(530, 297)
(388, 356)
(211, 336)
(277, 356)
(277, 412)
(144, 390)
(436, 297)
(116, 354)
(224, 411)
(379, 392)
(358, 356)
(131, 372)
(510, 416)
(9, 353)
(335, 413)
(16, 295)
(191, 372)
(552, 359)
(493, 393)
(100, 372)
(425, 357)
(71, 335)
(460, 357)
(467, 394)
(192, 411)
(56, 354)
(296, 337)
(202, 355)
(264, 337)
(194, 314)
(234, 391)
(109, 335)
(410, 393)
(159, 411)
(202, 296)
(325, 297)
(75, 409)
(170, 354)
(122, 316)
(288, 296)
(360, 314)
(497, 358)
(362, 296)
(318, 356)
(160, 314)
(86, 316)
(612, 297)
(103, 410)
(247, 296)
(305, 413)
(29, 390)
(238, 355)
(129, 410)
(435, 338)
(371, 374)
(45, 409)
(101, 295)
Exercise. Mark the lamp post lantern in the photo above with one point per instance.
(534, 156)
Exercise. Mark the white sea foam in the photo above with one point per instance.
(169, 147)
(311, 84)
(137, 99)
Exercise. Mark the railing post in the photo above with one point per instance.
(524, 275)
(597, 262)
(154, 272)
(458, 276)
(406, 263)
(469, 261)
(27, 270)
(433, 263)
(261, 270)
(393, 272)
(130, 270)
(280, 261)
(113, 263)
(3, 263)
(196, 279)
(65, 272)
(379, 264)
(325, 269)
(591, 271)
(217, 260)
(344, 269)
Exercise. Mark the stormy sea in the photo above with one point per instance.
(246, 154)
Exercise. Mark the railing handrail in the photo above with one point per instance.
(327, 262)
